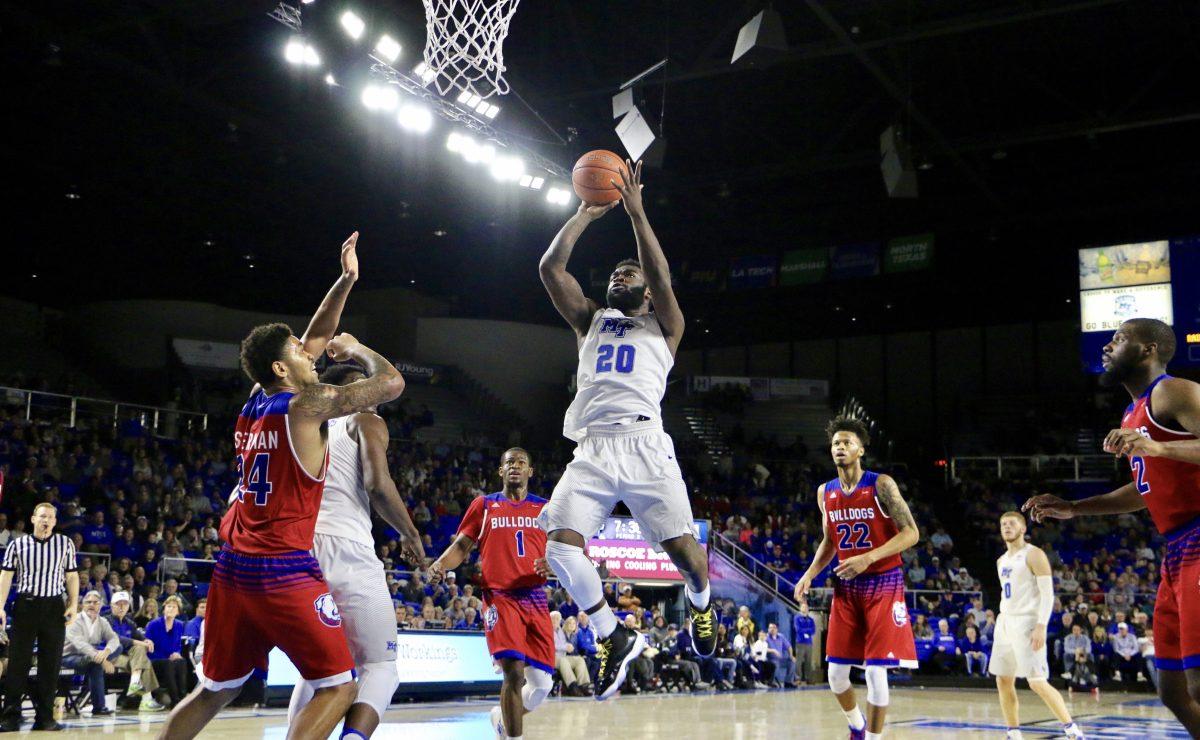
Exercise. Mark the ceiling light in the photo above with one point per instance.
(537, 183)
(294, 51)
(507, 169)
(330, 80)
(353, 24)
(525, 180)
(492, 111)
(415, 118)
(388, 48)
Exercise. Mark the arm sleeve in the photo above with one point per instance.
(472, 521)
(1045, 587)
(72, 561)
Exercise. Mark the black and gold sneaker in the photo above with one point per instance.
(615, 653)
(704, 630)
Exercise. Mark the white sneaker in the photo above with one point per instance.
(498, 723)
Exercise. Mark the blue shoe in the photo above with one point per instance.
(858, 734)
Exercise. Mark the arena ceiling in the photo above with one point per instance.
(158, 149)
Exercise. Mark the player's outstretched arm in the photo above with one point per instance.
(563, 288)
(823, 555)
(324, 322)
(1121, 501)
(373, 438)
(322, 402)
(453, 557)
(894, 506)
(650, 255)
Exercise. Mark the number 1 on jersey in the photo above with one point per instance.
(520, 535)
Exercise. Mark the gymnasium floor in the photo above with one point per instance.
(916, 713)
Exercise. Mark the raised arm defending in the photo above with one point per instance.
(325, 321)
(321, 402)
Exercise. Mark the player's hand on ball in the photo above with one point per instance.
(340, 347)
(854, 566)
(1131, 442)
(1048, 506)
(543, 568)
(1038, 639)
(630, 188)
(350, 257)
(591, 213)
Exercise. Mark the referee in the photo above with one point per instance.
(45, 564)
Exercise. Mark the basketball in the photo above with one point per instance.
(593, 174)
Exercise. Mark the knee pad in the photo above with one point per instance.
(577, 573)
(877, 686)
(839, 677)
(537, 687)
(377, 683)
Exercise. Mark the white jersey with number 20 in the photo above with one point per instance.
(622, 374)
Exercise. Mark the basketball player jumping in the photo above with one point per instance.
(515, 615)
(1019, 650)
(623, 454)
(267, 589)
(1159, 433)
(358, 481)
(867, 525)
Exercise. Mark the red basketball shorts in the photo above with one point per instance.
(868, 622)
(258, 602)
(1177, 641)
(517, 625)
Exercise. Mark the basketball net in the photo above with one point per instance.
(464, 44)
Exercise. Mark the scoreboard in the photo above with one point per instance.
(1157, 279)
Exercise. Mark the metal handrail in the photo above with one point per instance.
(155, 412)
(1036, 464)
(774, 581)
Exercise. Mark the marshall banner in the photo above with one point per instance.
(620, 548)
(804, 266)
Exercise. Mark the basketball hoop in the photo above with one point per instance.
(464, 44)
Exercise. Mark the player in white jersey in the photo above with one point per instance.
(357, 481)
(623, 454)
(1019, 647)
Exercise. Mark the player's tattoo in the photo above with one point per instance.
(331, 401)
(893, 503)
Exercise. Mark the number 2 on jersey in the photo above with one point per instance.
(861, 530)
(625, 354)
(1139, 471)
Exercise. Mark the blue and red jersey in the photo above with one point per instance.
(509, 540)
(1170, 488)
(856, 522)
(277, 500)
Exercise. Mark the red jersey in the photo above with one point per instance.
(509, 539)
(857, 523)
(275, 509)
(1171, 488)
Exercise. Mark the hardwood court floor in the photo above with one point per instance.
(765, 715)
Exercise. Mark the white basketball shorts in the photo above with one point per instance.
(634, 463)
(359, 588)
(1012, 652)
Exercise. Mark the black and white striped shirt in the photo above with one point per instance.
(41, 565)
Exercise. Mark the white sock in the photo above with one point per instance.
(1072, 730)
(604, 621)
(698, 599)
(874, 735)
(855, 718)
(516, 737)
(1014, 735)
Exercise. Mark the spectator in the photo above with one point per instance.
(171, 588)
(658, 633)
(568, 608)
(1083, 674)
(921, 628)
(1102, 654)
(1126, 654)
(97, 535)
(173, 565)
(166, 634)
(90, 642)
(945, 648)
(571, 668)
(720, 674)
(671, 655)
(627, 601)
(781, 656)
(134, 654)
(641, 669)
(941, 540)
(1146, 643)
(916, 573)
(803, 629)
(745, 620)
(977, 609)
(1072, 644)
(761, 654)
(193, 629)
(585, 645)
(987, 630)
(973, 652)
(5, 532)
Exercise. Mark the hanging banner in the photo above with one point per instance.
(854, 261)
(200, 353)
(907, 253)
(705, 277)
(754, 271)
(804, 266)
